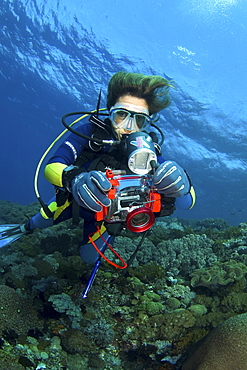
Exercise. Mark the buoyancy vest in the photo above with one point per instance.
(100, 158)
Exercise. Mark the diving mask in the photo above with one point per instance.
(129, 117)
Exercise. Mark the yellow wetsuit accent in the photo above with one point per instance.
(53, 173)
(54, 208)
(60, 209)
(98, 234)
(193, 197)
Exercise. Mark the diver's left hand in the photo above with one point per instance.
(171, 180)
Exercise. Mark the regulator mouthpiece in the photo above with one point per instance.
(141, 153)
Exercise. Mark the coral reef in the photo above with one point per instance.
(187, 278)
(63, 303)
(225, 348)
(182, 256)
(220, 273)
(17, 313)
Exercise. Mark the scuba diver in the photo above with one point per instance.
(78, 169)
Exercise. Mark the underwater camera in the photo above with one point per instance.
(133, 198)
(133, 201)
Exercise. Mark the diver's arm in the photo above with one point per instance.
(66, 155)
(188, 200)
(53, 173)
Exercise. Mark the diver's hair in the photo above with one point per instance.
(153, 89)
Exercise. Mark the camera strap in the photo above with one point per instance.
(110, 247)
(131, 259)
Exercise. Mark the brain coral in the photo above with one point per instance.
(17, 312)
(225, 348)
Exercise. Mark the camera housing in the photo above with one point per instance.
(133, 201)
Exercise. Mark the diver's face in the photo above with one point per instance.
(129, 114)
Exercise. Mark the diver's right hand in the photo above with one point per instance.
(89, 190)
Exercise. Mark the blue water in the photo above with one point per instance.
(56, 55)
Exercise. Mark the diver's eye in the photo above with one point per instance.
(140, 120)
(121, 115)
